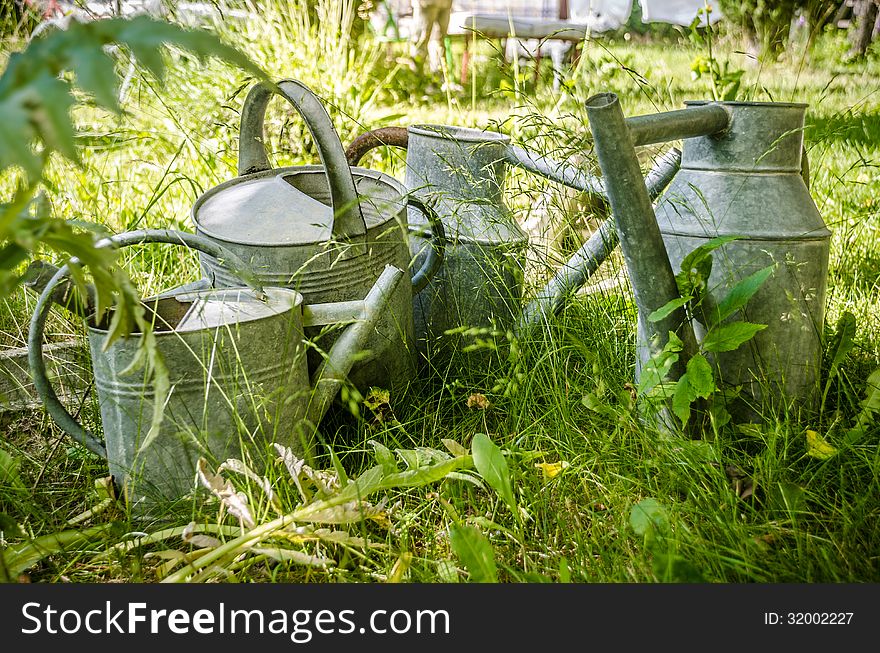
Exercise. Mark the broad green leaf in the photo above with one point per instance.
(655, 371)
(789, 497)
(96, 74)
(492, 466)
(9, 470)
(870, 408)
(410, 457)
(682, 399)
(51, 114)
(668, 308)
(425, 475)
(671, 567)
(384, 457)
(843, 341)
(648, 515)
(454, 447)
(16, 134)
(701, 377)
(19, 558)
(10, 528)
(696, 268)
(475, 553)
(727, 337)
(740, 294)
(818, 447)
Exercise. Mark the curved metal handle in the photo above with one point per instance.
(392, 136)
(438, 245)
(37, 363)
(348, 221)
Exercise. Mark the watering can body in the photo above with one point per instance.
(236, 376)
(232, 395)
(480, 284)
(325, 230)
(748, 182)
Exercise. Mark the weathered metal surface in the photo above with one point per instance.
(462, 172)
(748, 181)
(743, 177)
(676, 125)
(238, 381)
(641, 243)
(327, 231)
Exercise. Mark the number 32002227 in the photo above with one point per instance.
(808, 618)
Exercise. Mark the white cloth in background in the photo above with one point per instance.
(677, 12)
(601, 15)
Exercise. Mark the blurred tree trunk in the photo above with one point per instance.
(862, 27)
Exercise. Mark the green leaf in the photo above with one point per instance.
(16, 133)
(671, 567)
(19, 558)
(475, 553)
(701, 377)
(384, 457)
(657, 367)
(740, 294)
(96, 75)
(843, 341)
(667, 309)
(648, 515)
(50, 102)
(682, 399)
(425, 475)
(492, 466)
(696, 267)
(818, 447)
(410, 457)
(454, 447)
(9, 470)
(870, 409)
(727, 337)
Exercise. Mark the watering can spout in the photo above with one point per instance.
(330, 376)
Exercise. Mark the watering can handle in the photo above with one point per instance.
(37, 363)
(348, 221)
(399, 137)
(437, 243)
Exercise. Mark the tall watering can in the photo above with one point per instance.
(743, 175)
(325, 230)
(237, 377)
(480, 283)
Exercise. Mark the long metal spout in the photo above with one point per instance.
(584, 263)
(329, 377)
(640, 240)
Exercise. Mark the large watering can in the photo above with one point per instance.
(325, 230)
(480, 283)
(743, 174)
(237, 377)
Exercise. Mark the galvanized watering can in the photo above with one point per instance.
(237, 371)
(743, 174)
(326, 231)
(480, 283)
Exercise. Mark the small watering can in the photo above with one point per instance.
(481, 281)
(326, 231)
(236, 369)
(743, 174)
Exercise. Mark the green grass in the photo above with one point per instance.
(737, 506)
